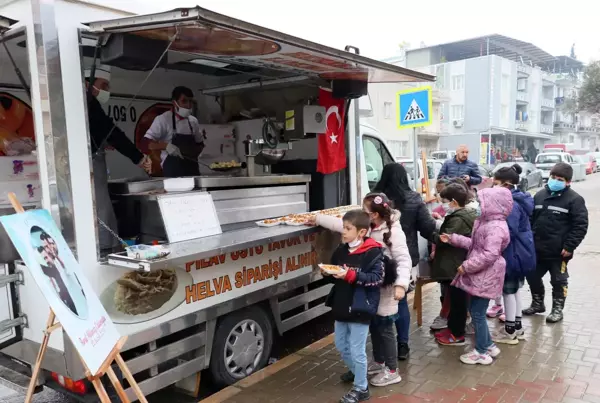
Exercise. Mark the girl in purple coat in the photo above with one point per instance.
(482, 274)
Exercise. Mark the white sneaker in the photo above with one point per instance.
(520, 334)
(493, 351)
(503, 337)
(375, 368)
(439, 323)
(386, 378)
(473, 358)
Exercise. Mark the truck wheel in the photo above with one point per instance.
(242, 345)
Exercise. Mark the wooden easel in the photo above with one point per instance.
(105, 368)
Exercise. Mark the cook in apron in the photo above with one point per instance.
(174, 167)
(104, 207)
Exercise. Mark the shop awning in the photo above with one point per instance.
(207, 35)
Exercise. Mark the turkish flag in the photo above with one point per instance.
(331, 152)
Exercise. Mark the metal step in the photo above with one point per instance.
(12, 375)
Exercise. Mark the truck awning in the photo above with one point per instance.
(5, 24)
(216, 37)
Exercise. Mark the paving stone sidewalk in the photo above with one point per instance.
(557, 363)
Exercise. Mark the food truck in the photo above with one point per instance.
(226, 286)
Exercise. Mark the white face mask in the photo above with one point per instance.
(103, 96)
(355, 244)
(183, 112)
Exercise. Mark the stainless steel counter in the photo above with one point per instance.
(206, 182)
(184, 252)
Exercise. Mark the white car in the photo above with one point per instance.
(433, 169)
(545, 161)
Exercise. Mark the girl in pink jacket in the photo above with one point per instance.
(482, 274)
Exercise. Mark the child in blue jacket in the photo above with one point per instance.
(519, 254)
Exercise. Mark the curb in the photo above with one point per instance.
(285, 362)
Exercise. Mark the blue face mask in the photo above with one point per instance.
(555, 185)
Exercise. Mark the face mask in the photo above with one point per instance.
(183, 112)
(446, 207)
(478, 211)
(355, 244)
(103, 96)
(555, 185)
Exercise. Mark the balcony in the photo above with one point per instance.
(547, 129)
(548, 80)
(547, 103)
(522, 97)
(588, 129)
(523, 70)
(522, 125)
(565, 127)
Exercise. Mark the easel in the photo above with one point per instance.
(105, 368)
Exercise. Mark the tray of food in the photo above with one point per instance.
(225, 166)
(271, 222)
(331, 268)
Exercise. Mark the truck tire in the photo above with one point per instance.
(242, 345)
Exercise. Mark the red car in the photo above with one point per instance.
(591, 165)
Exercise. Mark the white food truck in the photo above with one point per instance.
(234, 290)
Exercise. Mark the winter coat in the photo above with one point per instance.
(447, 257)
(485, 267)
(398, 252)
(560, 221)
(454, 169)
(520, 252)
(356, 297)
(414, 217)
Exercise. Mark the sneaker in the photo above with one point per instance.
(442, 333)
(494, 311)
(450, 340)
(520, 334)
(502, 318)
(403, 351)
(386, 378)
(474, 358)
(348, 377)
(493, 351)
(375, 368)
(355, 396)
(439, 323)
(469, 329)
(503, 337)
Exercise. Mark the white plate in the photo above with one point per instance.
(322, 267)
(295, 224)
(263, 224)
(107, 298)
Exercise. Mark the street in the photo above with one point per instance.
(557, 362)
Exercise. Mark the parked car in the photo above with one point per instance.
(579, 164)
(443, 155)
(545, 162)
(530, 177)
(433, 169)
(592, 165)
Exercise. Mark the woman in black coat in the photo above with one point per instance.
(414, 217)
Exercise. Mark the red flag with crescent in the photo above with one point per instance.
(331, 155)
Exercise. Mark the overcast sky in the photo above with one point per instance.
(377, 31)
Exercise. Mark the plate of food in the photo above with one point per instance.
(138, 297)
(331, 268)
(271, 222)
(297, 221)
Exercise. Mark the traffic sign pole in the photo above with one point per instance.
(415, 140)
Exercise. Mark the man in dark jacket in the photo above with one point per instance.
(103, 133)
(559, 224)
(461, 167)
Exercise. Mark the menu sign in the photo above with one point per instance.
(189, 216)
(62, 282)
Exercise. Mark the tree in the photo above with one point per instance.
(589, 94)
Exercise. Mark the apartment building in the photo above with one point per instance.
(492, 85)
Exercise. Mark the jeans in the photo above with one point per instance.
(403, 321)
(384, 343)
(483, 339)
(351, 342)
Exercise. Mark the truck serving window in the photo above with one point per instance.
(376, 157)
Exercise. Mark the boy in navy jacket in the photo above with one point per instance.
(354, 299)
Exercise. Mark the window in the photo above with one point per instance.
(387, 110)
(458, 82)
(457, 112)
(505, 87)
(376, 157)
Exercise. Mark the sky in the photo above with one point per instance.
(378, 31)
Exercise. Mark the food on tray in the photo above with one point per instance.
(142, 292)
(226, 164)
(270, 221)
(330, 268)
(303, 218)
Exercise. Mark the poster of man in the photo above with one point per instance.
(62, 282)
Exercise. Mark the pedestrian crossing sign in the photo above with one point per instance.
(414, 107)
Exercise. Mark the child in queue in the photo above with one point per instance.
(354, 298)
(459, 220)
(385, 229)
(481, 275)
(519, 254)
